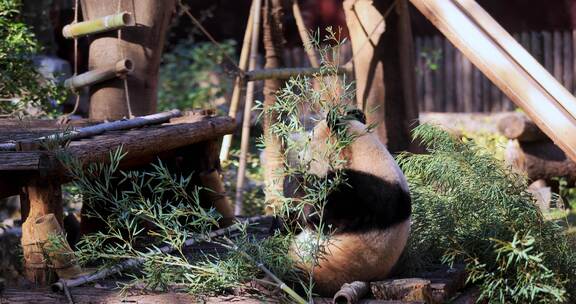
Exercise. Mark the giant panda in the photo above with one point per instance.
(368, 215)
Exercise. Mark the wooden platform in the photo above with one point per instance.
(141, 144)
(33, 170)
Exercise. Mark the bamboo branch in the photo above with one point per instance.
(289, 291)
(247, 109)
(314, 62)
(287, 73)
(238, 83)
(132, 263)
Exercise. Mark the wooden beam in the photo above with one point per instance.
(24, 161)
(508, 66)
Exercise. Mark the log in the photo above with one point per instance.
(217, 196)
(352, 293)
(42, 197)
(48, 233)
(545, 160)
(24, 161)
(462, 123)
(141, 143)
(519, 126)
(412, 289)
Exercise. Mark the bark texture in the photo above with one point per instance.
(382, 51)
(273, 40)
(142, 43)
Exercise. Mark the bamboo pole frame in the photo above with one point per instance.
(490, 48)
(257, 7)
(238, 83)
(304, 35)
(99, 25)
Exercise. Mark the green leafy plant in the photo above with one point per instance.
(23, 91)
(188, 72)
(149, 210)
(468, 207)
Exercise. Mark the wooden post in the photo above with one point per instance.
(141, 43)
(376, 47)
(273, 42)
(42, 196)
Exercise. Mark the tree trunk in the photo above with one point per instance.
(387, 96)
(142, 43)
(273, 40)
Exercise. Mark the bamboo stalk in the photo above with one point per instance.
(308, 46)
(133, 263)
(247, 109)
(99, 25)
(121, 68)
(238, 83)
(287, 73)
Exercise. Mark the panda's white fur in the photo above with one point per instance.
(359, 253)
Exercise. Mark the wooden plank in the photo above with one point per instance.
(467, 84)
(557, 46)
(21, 161)
(508, 65)
(449, 77)
(439, 98)
(486, 101)
(536, 46)
(476, 90)
(567, 55)
(428, 81)
(548, 50)
(418, 44)
(459, 81)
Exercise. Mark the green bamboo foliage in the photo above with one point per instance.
(468, 207)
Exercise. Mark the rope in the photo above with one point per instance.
(199, 25)
(386, 13)
(65, 117)
(123, 56)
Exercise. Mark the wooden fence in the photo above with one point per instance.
(448, 82)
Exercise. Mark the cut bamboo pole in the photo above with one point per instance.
(304, 35)
(507, 65)
(99, 25)
(257, 7)
(238, 83)
(121, 68)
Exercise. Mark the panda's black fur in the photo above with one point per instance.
(368, 215)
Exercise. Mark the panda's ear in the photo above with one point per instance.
(357, 114)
